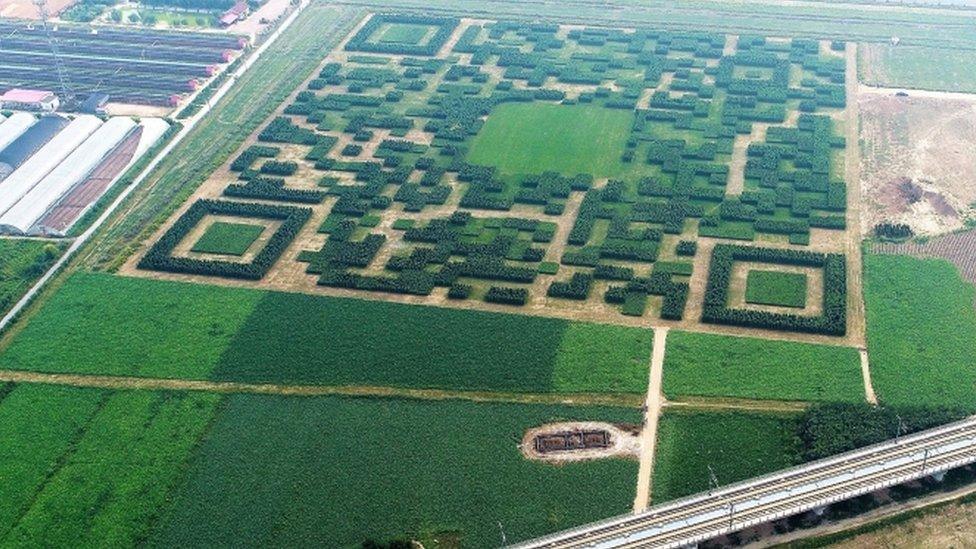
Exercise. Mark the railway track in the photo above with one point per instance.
(811, 486)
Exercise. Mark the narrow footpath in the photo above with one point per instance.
(652, 410)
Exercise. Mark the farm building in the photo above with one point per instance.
(95, 104)
(30, 100)
(14, 127)
(23, 215)
(237, 12)
(22, 148)
(31, 172)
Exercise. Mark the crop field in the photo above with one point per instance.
(332, 472)
(736, 445)
(526, 138)
(458, 171)
(921, 325)
(115, 326)
(739, 367)
(133, 66)
(21, 263)
(916, 67)
(89, 466)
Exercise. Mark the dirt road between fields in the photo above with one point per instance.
(652, 411)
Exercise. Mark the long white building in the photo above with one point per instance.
(31, 207)
(14, 127)
(31, 172)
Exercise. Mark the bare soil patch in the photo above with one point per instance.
(919, 162)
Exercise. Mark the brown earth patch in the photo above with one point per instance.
(919, 164)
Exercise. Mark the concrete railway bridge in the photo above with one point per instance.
(809, 487)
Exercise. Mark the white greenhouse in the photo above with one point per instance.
(22, 217)
(31, 172)
(14, 127)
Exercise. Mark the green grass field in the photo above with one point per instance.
(85, 467)
(127, 326)
(228, 238)
(776, 288)
(331, 472)
(917, 67)
(737, 446)
(22, 262)
(106, 324)
(741, 367)
(921, 328)
(403, 33)
(521, 138)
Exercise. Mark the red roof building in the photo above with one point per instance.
(237, 12)
(29, 100)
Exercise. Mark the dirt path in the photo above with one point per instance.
(652, 409)
(864, 89)
(228, 387)
(866, 375)
(856, 328)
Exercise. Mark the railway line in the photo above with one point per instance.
(807, 487)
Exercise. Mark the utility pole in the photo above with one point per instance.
(502, 530)
(66, 95)
(712, 480)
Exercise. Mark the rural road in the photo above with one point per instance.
(864, 89)
(652, 410)
(187, 128)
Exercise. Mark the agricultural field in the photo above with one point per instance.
(96, 466)
(575, 181)
(776, 288)
(227, 238)
(401, 468)
(112, 326)
(736, 445)
(407, 242)
(916, 67)
(709, 365)
(921, 325)
(21, 263)
(140, 67)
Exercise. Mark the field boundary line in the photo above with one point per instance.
(233, 387)
(740, 404)
(652, 412)
(188, 126)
